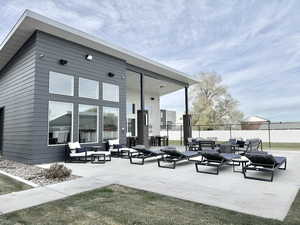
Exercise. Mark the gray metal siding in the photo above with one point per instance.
(16, 96)
(53, 49)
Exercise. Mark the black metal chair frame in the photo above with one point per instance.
(170, 160)
(75, 159)
(141, 156)
(270, 168)
(211, 163)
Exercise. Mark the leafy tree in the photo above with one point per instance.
(211, 102)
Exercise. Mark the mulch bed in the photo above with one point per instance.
(30, 172)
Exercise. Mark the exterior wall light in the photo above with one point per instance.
(63, 62)
(89, 57)
(110, 74)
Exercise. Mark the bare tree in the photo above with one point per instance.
(211, 102)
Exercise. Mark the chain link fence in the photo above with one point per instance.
(285, 135)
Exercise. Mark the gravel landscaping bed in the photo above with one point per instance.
(29, 172)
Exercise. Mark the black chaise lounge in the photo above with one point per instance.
(213, 159)
(264, 163)
(172, 156)
(142, 154)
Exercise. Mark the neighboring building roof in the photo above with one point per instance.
(31, 21)
(255, 119)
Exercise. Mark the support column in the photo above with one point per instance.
(142, 118)
(187, 123)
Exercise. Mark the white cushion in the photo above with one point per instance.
(113, 142)
(101, 152)
(128, 149)
(80, 154)
(71, 145)
(77, 145)
(74, 145)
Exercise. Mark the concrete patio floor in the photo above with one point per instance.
(227, 190)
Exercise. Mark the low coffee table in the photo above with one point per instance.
(242, 161)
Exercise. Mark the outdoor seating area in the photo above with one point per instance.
(207, 156)
(184, 182)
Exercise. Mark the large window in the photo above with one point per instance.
(88, 123)
(110, 123)
(88, 88)
(110, 92)
(60, 122)
(61, 84)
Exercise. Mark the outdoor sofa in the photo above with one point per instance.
(213, 158)
(74, 152)
(172, 156)
(143, 153)
(263, 162)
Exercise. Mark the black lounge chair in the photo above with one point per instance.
(213, 159)
(264, 163)
(172, 156)
(142, 153)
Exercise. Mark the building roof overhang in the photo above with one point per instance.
(30, 22)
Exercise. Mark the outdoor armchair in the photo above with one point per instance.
(172, 156)
(251, 145)
(266, 163)
(75, 153)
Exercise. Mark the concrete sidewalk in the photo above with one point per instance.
(227, 190)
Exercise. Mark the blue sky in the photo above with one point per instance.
(253, 44)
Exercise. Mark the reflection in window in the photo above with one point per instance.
(60, 122)
(88, 123)
(88, 88)
(61, 84)
(110, 123)
(110, 92)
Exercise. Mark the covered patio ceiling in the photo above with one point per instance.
(151, 85)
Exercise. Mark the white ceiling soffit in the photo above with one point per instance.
(31, 21)
(152, 86)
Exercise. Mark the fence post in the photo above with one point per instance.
(181, 134)
(269, 130)
(230, 131)
(168, 131)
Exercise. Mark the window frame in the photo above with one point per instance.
(73, 83)
(97, 127)
(72, 124)
(98, 88)
(118, 132)
(118, 95)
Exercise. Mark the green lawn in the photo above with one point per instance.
(120, 205)
(274, 146)
(8, 185)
